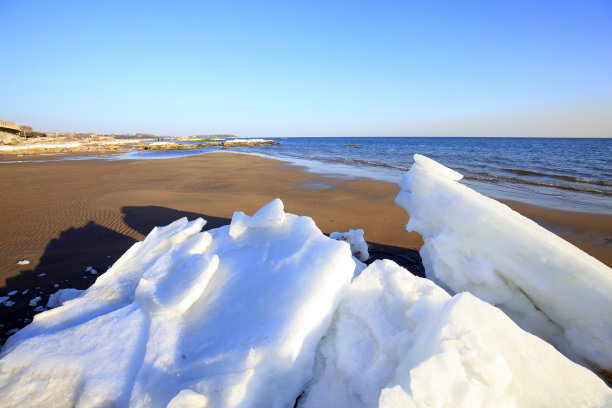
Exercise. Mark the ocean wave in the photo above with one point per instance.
(573, 179)
(515, 180)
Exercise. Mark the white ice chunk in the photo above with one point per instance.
(34, 302)
(474, 243)
(62, 296)
(400, 341)
(188, 317)
(270, 215)
(359, 247)
(23, 262)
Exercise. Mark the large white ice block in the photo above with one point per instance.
(474, 243)
(227, 318)
(401, 341)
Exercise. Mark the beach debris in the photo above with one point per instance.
(268, 309)
(35, 301)
(475, 244)
(23, 262)
(359, 247)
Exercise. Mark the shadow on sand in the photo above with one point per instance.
(65, 260)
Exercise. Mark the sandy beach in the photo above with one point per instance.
(64, 216)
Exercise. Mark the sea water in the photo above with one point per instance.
(570, 174)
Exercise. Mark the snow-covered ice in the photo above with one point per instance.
(261, 311)
(398, 340)
(23, 262)
(474, 243)
(232, 315)
(246, 141)
(359, 247)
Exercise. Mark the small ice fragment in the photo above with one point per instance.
(55, 285)
(89, 268)
(93, 272)
(8, 303)
(12, 293)
(12, 331)
(41, 274)
(25, 291)
(40, 309)
(61, 296)
(3, 299)
(108, 256)
(23, 262)
(359, 247)
(1, 325)
(35, 301)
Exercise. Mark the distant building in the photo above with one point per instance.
(9, 127)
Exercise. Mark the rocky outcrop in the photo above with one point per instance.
(177, 146)
(9, 138)
(232, 143)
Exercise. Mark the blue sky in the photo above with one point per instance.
(311, 68)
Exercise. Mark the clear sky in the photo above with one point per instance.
(309, 68)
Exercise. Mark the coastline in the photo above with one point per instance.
(66, 215)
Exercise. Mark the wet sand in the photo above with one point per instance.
(64, 216)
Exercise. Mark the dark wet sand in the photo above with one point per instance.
(66, 215)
